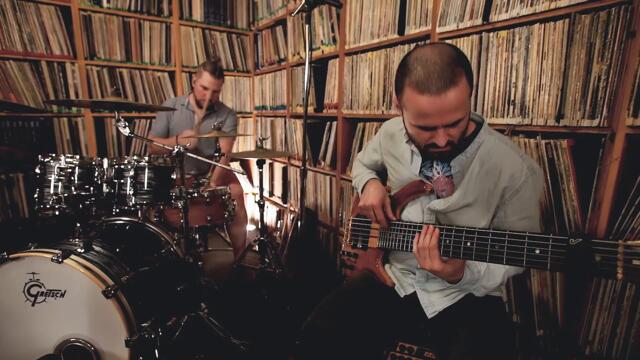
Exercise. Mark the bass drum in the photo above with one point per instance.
(100, 298)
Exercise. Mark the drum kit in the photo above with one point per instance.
(129, 278)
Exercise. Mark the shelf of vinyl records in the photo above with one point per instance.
(570, 136)
(66, 52)
(519, 115)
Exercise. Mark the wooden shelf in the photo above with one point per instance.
(314, 114)
(270, 113)
(51, 2)
(126, 115)
(192, 23)
(272, 21)
(421, 35)
(8, 54)
(369, 116)
(125, 13)
(130, 65)
(279, 160)
(327, 55)
(226, 73)
(238, 74)
(552, 129)
(271, 68)
(297, 163)
(633, 130)
(532, 18)
(39, 115)
(274, 201)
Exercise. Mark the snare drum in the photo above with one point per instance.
(67, 183)
(94, 301)
(134, 182)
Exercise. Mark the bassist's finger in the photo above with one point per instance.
(380, 218)
(388, 210)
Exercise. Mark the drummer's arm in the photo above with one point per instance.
(157, 150)
(226, 145)
(160, 133)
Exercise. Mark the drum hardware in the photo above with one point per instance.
(75, 346)
(138, 308)
(148, 338)
(4, 257)
(189, 248)
(216, 328)
(67, 184)
(269, 258)
(61, 256)
(179, 152)
(131, 284)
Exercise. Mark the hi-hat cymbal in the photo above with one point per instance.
(109, 104)
(215, 134)
(259, 153)
(9, 106)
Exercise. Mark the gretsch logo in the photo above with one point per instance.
(36, 292)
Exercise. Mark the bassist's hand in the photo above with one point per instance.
(375, 203)
(427, 251)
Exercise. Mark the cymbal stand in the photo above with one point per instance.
(269, 258)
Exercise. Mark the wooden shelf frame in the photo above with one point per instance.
(607, 182)
(76, 8)
(614, 149)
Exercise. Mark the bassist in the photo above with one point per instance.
(473, 176)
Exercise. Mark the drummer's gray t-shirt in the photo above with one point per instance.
(172, 123)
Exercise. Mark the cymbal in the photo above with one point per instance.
(9, 106)
(259, 153)
(215, 134)
(109, 104)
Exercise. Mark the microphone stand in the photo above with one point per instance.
(307, 7)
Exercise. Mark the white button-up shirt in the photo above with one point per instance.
(496, 186)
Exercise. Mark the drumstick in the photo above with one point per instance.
(200, 112)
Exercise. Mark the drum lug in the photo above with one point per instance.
(110, 291)
(61, 256)
(147, 337)
(4, 257)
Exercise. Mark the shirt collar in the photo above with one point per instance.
(462, 160)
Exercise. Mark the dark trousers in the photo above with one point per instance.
(363, 318)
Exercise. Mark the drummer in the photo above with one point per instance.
(199, 112)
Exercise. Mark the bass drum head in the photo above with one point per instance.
(45, 304)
